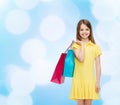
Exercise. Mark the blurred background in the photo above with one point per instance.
(33, 34)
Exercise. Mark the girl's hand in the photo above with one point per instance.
(79, 42)
(97, 88)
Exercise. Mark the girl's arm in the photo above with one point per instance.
(80, 53)
(98, 73)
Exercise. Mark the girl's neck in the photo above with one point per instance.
(85, 40)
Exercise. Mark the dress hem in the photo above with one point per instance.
(84, 98)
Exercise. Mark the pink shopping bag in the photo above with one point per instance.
(57, 76)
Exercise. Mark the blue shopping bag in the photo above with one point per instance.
(69, 64)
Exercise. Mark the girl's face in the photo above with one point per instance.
(84, 32)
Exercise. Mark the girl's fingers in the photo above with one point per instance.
(97, 89)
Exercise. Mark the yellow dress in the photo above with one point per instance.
(84, 79)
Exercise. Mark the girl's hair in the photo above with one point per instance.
(88, 24)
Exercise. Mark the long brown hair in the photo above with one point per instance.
(88, 24)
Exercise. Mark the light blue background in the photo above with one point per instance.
(14, 55)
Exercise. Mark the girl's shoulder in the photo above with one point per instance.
(95, 44)
(97, 49)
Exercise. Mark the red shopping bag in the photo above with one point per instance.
(57, 76)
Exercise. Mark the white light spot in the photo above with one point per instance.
(42, 71)
(107, 30)
(32, 50)
(17, 22)
(114, 63)
(102, 31)
(2, 2)
(47, 0)
(3, 100)
(105, 11)
(26, 4)
(17, 99)
(21, 81)
(52, 28)
(108, 89)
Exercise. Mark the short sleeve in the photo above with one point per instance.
(98, 51)
(75, 45)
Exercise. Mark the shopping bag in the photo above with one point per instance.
(57, 76)
(69, 64)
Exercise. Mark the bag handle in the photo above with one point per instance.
(69, 46)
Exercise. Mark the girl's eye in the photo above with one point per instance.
(87, 29)
(81, 29)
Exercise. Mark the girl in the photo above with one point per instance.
(85, 84)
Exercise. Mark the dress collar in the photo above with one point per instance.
(89, 43)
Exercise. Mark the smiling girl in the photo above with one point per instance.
(87, 71)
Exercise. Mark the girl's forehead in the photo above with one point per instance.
(83, 26)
